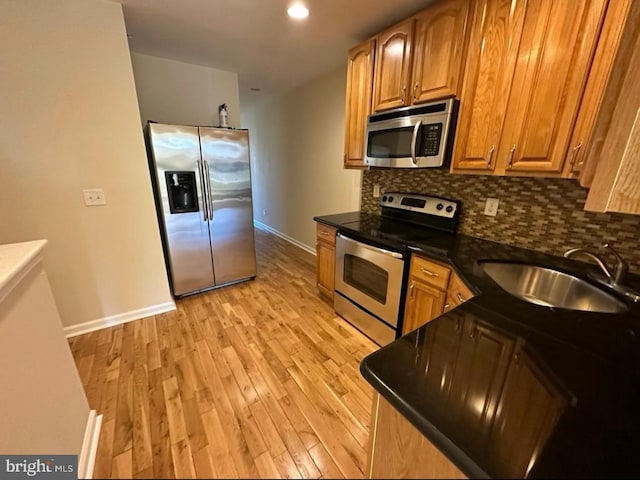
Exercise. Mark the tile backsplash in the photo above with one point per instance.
(537, 213)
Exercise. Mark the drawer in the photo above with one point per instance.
(325, 233)
(435, 274)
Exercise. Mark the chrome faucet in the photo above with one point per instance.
(620, 270)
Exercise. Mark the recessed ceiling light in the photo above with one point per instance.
(298, 10)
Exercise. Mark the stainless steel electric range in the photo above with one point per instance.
(372, 258)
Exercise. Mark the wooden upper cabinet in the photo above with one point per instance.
(358, 104)
(393, 67)
(440, 35)
(554, 56)
(587, 138)
(491, 58)
(615, 185)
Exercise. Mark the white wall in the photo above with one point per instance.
(297, 147)
(182, 93)
(70, 121)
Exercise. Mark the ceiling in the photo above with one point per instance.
(256, 38)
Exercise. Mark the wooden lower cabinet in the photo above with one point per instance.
(326, 258)
(398, 450)
(424, 303)
(434, 288)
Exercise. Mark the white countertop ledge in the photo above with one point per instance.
(16, 260)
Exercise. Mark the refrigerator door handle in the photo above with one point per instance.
(208, 188)
(205, 210)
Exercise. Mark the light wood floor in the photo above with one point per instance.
(258, 379)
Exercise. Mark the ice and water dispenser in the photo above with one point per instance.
(181, 187)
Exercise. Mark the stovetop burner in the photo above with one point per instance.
(407, 219)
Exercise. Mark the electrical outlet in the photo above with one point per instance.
(491, 207)
(94, 197)
(376, 190)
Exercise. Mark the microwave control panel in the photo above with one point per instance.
(431, 136)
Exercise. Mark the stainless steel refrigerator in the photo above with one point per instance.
(202, 183)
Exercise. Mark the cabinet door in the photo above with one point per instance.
(457, 293)
(424, 303)
(438, 50)
(358, 104)
(556, 47)
(480, 372)
(393, 67)
(531, 404)
(438, 361)
(326, 257)
(586, 135)
(495, 34)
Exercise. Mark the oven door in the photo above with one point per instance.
(370, 277)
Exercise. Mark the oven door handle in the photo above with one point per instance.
(369, 247)
(414, 140)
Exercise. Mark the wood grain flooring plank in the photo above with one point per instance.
(193, 422)
(269, 432)
(123, 438)
(121, 465)
(324, 462)
(183, 459)
(104, 455)
(264, 371)
(218, 445)
(203, 465)
(286, 466)
(175, 416)
(240, 375)
(248, 426)
(142, 448)
(300, 424)
(159, 430)
(336, 439)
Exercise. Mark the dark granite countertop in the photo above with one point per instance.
(506, 388)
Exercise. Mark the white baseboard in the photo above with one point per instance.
(87, 457)
(289, 239)
(93, 325)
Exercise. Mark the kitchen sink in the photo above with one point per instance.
(551, 288)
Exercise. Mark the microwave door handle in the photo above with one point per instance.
(414, 140)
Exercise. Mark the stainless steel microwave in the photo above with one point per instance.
(412, 137)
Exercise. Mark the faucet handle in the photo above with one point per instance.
(622, 267)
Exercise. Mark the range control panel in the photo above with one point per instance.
(427, 204)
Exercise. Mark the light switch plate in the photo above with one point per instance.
(94, 197)
(491, 207)
(376, 190)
